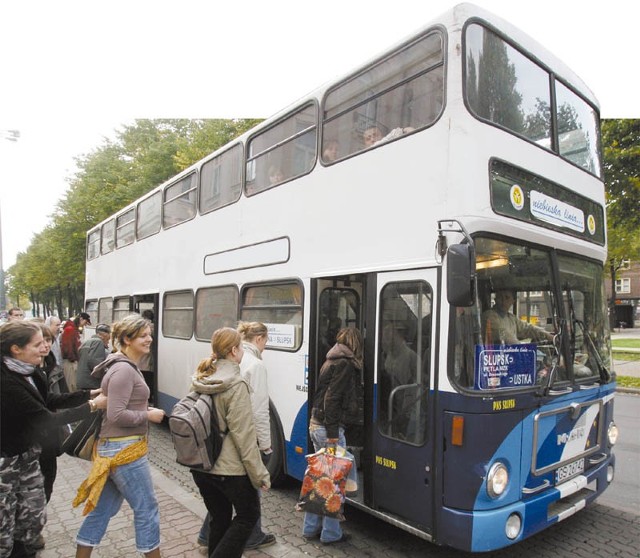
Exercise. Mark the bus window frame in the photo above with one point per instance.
(166, 309)
(249, 160)
(103, 238)
(107, 301)
(157, 193)
(96, 242)
(272, 283)
(242, 165)
(115, 310)
(119, 227)
(190, 175)
(196, 307)
(443, 63)
(91, 308)
(553, 147)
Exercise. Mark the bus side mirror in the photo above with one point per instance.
(461, 275)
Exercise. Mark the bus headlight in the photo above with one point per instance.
(497, 479)
(513, 526)
(612, 433)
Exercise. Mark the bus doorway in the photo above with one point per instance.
(339, 303)
(402, 443)
(147, 306)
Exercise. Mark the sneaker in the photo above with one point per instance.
(343, 538)
(203, 547)
(268, 540)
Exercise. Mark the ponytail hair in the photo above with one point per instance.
(223, 341)
(252, 330)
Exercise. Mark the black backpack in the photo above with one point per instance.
(196, 434)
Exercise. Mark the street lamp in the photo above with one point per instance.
(9, 135)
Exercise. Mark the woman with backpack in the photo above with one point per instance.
(238, 472)
(121, 453)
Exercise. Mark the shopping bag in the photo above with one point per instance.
(324, 484)
(81, 441)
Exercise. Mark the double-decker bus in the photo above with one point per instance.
(409, 198)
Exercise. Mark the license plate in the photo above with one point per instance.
(570, 470)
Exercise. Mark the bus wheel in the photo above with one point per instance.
(276, 463)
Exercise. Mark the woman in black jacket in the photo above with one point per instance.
(335, 405)
(26, 416)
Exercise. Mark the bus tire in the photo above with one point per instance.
(277, 458)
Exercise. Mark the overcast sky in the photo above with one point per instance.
(72, 72)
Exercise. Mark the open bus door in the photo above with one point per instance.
(147, 306)
(402, 441)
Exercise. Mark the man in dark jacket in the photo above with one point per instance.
(91, 353)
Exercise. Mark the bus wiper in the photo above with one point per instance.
(603, 371)
(555, 359)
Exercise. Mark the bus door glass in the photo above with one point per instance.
(402, 446)
(147, 306)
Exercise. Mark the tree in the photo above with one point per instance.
(144, 155)
(621, 147)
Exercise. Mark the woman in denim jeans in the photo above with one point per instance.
(335, 404)
(125, 425)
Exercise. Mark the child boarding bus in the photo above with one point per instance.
(445, 198)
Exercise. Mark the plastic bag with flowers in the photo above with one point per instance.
(324, 484)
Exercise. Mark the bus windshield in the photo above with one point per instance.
(519, 333)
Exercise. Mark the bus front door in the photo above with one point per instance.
(402, 447)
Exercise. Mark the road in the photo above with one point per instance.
(609, 528)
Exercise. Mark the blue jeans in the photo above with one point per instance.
(228, 534)
(131, 482)
(328, 527)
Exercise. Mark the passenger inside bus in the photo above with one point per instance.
(373, 135)
(330, 151)
(400, 365)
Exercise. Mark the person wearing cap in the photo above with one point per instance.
(91, 353)
(70, 345)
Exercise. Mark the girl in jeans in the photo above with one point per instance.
(238, 472)
(335, 404)
(123, 442)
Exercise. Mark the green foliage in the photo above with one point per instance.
(621, 142)
(144, 155)
(628, 382)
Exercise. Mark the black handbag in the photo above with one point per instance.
(84, 436)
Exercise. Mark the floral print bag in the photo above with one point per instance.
(324, 484)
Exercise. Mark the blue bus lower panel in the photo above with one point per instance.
(482, 531)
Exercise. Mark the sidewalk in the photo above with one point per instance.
(181, 515)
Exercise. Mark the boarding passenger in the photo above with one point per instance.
(121, 466)
(239, 472)
(335, 405)
(91, 353)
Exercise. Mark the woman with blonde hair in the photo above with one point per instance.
(238, 471)
(335, 405)
(122, 448)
